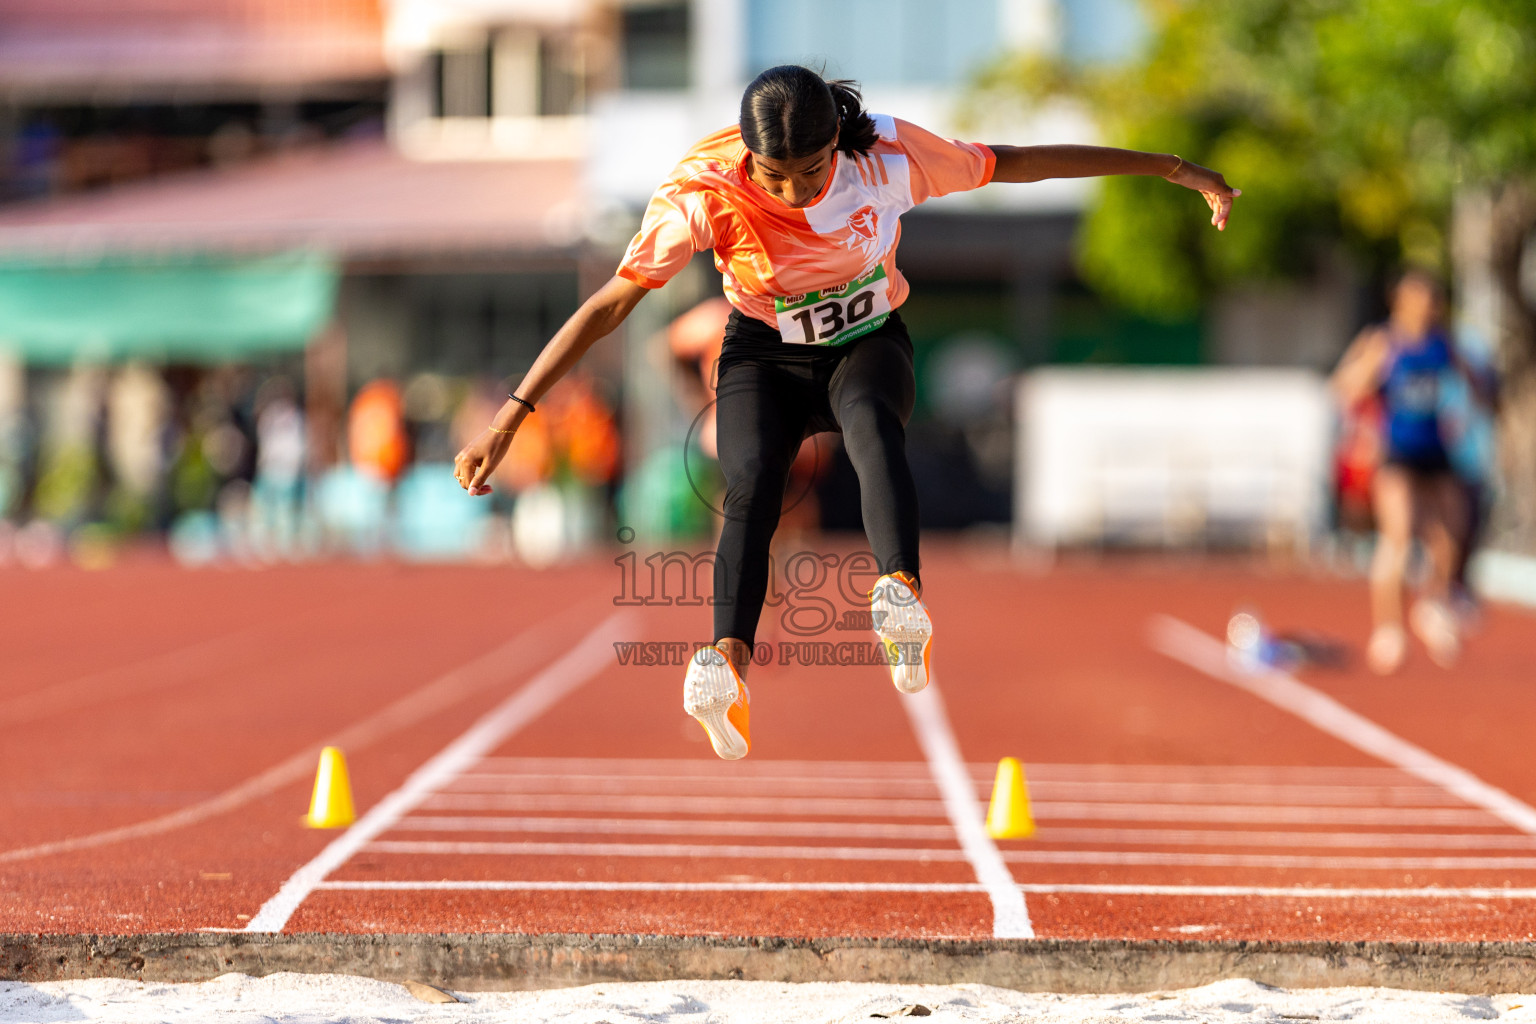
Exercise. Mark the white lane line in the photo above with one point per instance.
(1290, 892)
(1043, 889)
(885, 830)
(1147, 858)
(1089, 791)
(665, 826)
(915, 855)
(871, 808)
(876, 807)
(1185, 643)
(1253, 814)
(726, 851)
(914, 772)
(495, 886)
(584, 661)
(1288, 839)
(925, 710)
(675, 768)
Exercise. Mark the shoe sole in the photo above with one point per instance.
(911, 629)
(728, 743)
(709, 693)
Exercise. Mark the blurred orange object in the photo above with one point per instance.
(376, 438)
(591, 437)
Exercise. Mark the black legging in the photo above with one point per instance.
(769, 401)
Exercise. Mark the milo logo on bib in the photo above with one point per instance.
(836, 315)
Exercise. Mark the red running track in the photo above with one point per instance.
(158, 733)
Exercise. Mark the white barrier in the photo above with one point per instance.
(1171, 456)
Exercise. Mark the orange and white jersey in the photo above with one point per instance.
(823, 273)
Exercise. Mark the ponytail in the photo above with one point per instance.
(856, 129)
(789, 112)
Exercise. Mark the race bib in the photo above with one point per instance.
(834, 316)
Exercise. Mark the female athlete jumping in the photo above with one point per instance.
(801, 204)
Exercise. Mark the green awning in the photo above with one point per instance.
(202, 310)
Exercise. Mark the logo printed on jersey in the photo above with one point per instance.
(864, 231)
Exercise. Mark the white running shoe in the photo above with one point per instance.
(1436, 625)
(904, 627)
(1387, 649)
(715, 695)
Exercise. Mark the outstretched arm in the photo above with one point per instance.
(598, 316)
(1035, 163)
(1359, 372)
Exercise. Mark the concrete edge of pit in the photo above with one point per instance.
(489, 962)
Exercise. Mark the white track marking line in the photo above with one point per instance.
(877, 807)
(663, 826)
(915, 855)
(440, 693)
(1287, 892)
(724, 851)
(1089, 792)
(1145, 858)
(1254, 814)
(925, 710)
(1183, 642)
(676, 767)
(1289, 839)
(887, 830)
(1043, 889)
(639, 804)
(585, 660)
(494, 886)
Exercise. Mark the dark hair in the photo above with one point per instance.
(1425, 277)
(790, 111)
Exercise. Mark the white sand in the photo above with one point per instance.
(338, 999)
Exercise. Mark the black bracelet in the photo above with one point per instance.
(523, 401)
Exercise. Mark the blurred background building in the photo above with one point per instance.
(265, 264)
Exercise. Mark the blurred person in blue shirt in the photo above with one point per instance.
(1410, 365)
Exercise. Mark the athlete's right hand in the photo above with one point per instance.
(1210, 184)
(473, 466)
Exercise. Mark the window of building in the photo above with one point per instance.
(513, 71)
(655, 39)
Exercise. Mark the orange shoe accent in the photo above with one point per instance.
(715, 695)
(902, 622)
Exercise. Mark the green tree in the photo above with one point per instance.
(1362, 124)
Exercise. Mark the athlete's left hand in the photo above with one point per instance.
(1210, 184)
(473, 466)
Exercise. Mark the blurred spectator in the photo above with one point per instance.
(69, 468)
(138, 413)
(15, 436)
(376, 439)
(1468, 404)
(280, 460)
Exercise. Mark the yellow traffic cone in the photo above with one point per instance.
(1008, 815)
(331, 806)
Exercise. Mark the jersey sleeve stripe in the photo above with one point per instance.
(991, 168)
(640, 279)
